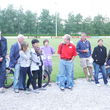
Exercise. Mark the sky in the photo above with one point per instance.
(64, 7)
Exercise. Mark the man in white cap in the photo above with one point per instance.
(3, 52)
(14, 62)
(67, 52)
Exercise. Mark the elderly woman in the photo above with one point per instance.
(67, 52)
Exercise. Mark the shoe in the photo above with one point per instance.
(108, 84)
(28, 89)
(98, 85)
(27, 92)
(70, 87)
(21, 89)
(35, 91)
(92, 80)
(2, 90)
(49, 85)
(16, 91)
(42, 89)
(62, 88)
(88, 80)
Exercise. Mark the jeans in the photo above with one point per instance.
(16, 77)
(2, 73)
(66, 73)
(97, 67)
(23, 73)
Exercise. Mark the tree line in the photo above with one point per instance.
(15, 21)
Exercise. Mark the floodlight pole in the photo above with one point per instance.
(56, 25)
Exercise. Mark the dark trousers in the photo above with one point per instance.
(37, 75)
(2, 73)
(23, 72)
(29, 81)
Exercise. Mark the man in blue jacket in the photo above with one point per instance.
(3, 52)
(14, 62)
(84, 50)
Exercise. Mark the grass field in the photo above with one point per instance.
(55, 42)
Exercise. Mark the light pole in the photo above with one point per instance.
(56, 25)
(56, 19)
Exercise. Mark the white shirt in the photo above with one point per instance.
(24, 59)
(34, 60)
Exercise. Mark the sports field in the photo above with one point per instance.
(54, 43)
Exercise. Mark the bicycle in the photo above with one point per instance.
(10, 78)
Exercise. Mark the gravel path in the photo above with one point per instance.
(84, 96)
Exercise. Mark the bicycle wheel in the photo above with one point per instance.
(9, 78)
(45, 78)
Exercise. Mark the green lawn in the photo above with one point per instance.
(55, 42)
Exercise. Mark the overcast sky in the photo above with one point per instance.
(85, 7)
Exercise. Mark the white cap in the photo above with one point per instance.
(20, 36)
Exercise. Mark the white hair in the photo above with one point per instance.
(67, 36)
(20, 36)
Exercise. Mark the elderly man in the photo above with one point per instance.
(14, 62)
(3, 52)
(84, 50)
(67, 52)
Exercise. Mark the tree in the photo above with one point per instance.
(87, 25)
(73, 23)
(98, 25)
(46, 25)
(30, 22)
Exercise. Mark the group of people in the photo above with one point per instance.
(31, 62)
(88, 59)
(26, 62)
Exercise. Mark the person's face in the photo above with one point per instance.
(100, 43)
(66, 41)
(20, 40)
(35, 45)
(25, 48)
(46, 43)
(83, 37)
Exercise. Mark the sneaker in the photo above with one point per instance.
(108, 84)
(98, 85)
(35, 91)
(62, 88)
(16, 91)
(27, 92)
(28, 89)
(70, 87)
(42, 89)
(2, 90)
(49, 85)
(88, 80)
(92, 80)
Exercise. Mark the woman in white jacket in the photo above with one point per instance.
(36, 64)
(24, 65)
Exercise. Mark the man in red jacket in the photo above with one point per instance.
(67, 52)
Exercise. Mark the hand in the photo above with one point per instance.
(85, 51)
(1, 59)
(72, 59)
